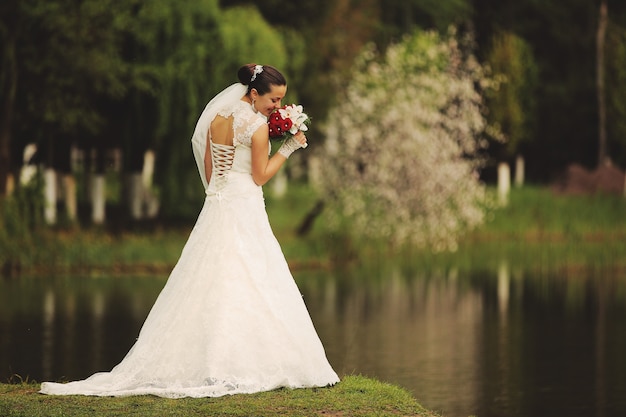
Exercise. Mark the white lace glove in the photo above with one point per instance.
(290, 146)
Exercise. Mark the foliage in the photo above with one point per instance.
(403, 16)
(616, 104)
(21, 215)
(322, 38)
(559, 124)
(354, 396)
(183, 44)
(200, 47)
(562, 36)
(404, 145)
(58, 58)
(335, 31)
(75, 49)
(133, 75)
(263, 45)
(511, 105)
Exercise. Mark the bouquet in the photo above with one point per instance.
(287, 121)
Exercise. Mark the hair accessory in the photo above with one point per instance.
(257, 70)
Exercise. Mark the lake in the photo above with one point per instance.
(492, 343)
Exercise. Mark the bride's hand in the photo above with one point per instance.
(301, 138)
(297, 141)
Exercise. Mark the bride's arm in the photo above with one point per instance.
(263, 166)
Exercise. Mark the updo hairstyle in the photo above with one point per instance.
(263, 81)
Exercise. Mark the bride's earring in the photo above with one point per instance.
(254, 108)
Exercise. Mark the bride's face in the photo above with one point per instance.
(271, 100)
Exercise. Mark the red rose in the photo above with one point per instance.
(286, 125)
(278, 126)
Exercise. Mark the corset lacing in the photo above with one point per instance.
(222, 158)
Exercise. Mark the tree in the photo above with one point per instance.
(335, 31)
(404, 144)
(399, 17)
(133, 75)
(512, 104)
(563, 38)
(600, 80)
(200, 48)
(616, 104)
(8, 89)
(68, 56)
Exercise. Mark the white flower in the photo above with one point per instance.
(296, 114)
(291, 111)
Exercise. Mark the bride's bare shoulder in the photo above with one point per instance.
(221, 130)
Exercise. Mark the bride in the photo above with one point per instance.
(230, 318)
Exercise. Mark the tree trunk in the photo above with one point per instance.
(69, 196)
(98, 198)
(504, 183)
(519, 171)
(50, 195)
(307, 223)
(600, 41)
(28, 170)
(98, 187)
(62, 162)
(134, 187)
(151, 202)
(8, 90)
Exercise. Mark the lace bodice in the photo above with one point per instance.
(245, 121)
(235, 157)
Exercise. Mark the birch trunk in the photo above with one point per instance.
(98, 200)
(50, 196)
(69, 189)
(504, 183)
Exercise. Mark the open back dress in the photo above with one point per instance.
(230, 318)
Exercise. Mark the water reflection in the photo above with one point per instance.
(491, 343)
(69, 328)
(420, 332)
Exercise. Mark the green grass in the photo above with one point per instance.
(537, 214)
(537, 229)
(353, 396)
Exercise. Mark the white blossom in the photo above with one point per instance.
(404, 146)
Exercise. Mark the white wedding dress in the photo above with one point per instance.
(230, 318)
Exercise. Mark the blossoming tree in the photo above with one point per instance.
(404, 146)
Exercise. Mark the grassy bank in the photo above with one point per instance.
(354, 396)
(537, 227)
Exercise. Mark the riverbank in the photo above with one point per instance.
(354, 396)
(536, 227)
